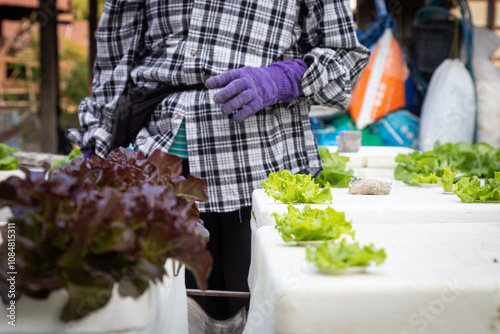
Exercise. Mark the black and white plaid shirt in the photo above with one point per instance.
(184, 42)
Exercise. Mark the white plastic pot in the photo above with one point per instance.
(161, 309)
(120, 315)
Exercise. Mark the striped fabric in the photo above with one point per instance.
(184, 42)
(179, 145)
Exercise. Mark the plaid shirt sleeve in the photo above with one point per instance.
(118, 37)
(335, 56)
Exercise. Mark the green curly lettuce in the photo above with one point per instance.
(471, 190)
(480, 159)
(298, 188)
(419, 178)
(76, 152)
(312, 224)
(7, 161)
(447, 181)
(334, 169)
(328, 256)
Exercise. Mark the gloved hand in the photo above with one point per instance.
(87, 153)
(255, 88)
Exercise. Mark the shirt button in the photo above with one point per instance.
(177, 116)
(193, 53)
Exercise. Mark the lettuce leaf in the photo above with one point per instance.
(76, 152)
(328, 256)
(312, 224)
(7, 161)
(480, 159)
(420, 178)
(471, 190)
(447, 181)
(298, 188)
(495, 181)
(334, 170)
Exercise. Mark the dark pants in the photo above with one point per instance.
(230, 247)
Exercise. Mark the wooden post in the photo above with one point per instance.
(1, 31)
(493, 15)
(92, 40)
(490, 22)
(47, 17)
(3, 71)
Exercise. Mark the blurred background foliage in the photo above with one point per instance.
(81, 9)
(74, 72)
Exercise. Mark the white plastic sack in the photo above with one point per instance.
(487, 85)
(172, 311)
(449, 107)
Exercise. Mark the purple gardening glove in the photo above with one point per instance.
(255, 88)
(87, 153)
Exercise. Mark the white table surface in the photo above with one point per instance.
(437, 278)
(404, 205)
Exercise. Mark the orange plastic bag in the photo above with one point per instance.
(381, 87)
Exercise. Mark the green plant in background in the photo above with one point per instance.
(7, 160)
(480, 159)
(73, 72)
(413, 164)
(330, 257)
(74, 75)
(334, 170)
(298, 188)
(81, 9)
(73, 154)
(312, 224)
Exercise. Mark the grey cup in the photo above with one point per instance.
(349, 141)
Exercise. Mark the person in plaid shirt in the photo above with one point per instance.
(227, 85)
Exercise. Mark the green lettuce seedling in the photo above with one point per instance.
(334, 170)
(7, 161)
(298, 188)
(312, 224)
(471, 190)
(328, 256)
(76, 152)
(447, 180)
(480, 159)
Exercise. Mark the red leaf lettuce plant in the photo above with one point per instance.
(94, 223)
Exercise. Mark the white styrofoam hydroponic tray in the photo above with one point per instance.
(161, 309)
(373, 156)
(404, 205)
(437, 278)
(5, 174)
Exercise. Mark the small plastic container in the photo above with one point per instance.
(349, 141)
